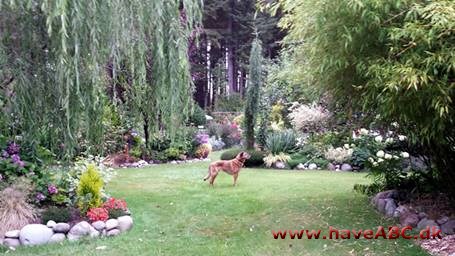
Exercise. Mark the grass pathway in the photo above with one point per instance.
(175, 213)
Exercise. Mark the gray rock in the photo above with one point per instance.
(422, 215)
(424, 223)
(346, 167)
(13, 234)
(399, 211)
(449, 227)
(125, 223)
(35, 234)
(61, 228)
(331, 167)
(390, 207)
(99, 225)
(113, 232)
(79, 230)
(442, 220)
(11, 242)
(383, 195)
(300, 167)
(57, 238)
(111, 224)
(51, 224)
(409, 219)
(279, 165)
(381, 205)
(312, 166)
(94, 233)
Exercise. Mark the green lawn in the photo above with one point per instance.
(176, 213)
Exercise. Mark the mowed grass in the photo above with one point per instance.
(176, 213)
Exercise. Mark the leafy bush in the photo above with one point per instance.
(308, 118)
(89, 189)
(360, 156)
(231, 103)
(256, 157)
(57, 214)
(271, 159)
(281, 142)
(203, 151)
(115, 213)
(198, 116)
(338, 155)
(173, 153)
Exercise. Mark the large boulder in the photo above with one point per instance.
(424, 223)
(383, 195)
(125, 223)
(111, 224)
(409, 219)
(312, 166)
(448, 228)
(79, 230)
(390, 207)
(35, 234)
(346, 167)
(11, 242)
(61, 228)
(57, 238)
(380, 205)
(400, 210)
(99, 225)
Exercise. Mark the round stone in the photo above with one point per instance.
(57, 238)
(51, 224)
(111, 224)
(11, 242)
(99, 225)
(12, 234)
(125, 223)
(113, 232)
(35, 234)
(61, 228)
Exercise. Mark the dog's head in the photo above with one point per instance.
(242, 156)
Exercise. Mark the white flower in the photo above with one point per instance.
(395, 157)
(339, 149)
(390, 132)
(375, 164)
(395, 124)
(364, 131)
(401, 137)
(371, 160)
(389, 140)
(388, 156)
(346, 146)
(378, 138)
(380, 153)
(354, 136)
(352, 145)
(404, 154)
(375, 133)
(380, 160)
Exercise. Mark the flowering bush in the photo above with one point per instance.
(271, 159)
(203, 151)
(98, 214)
(339, 155)
(308, 118)
(115, 204)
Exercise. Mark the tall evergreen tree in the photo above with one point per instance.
(254, 87)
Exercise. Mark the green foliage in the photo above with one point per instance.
(173, 153)
(115, 213)
(198, 116)
(65, 53)
(89, 189)
(360, 156)
(271, 159)
(256, 159)
(57, 214)
(281, 142)
(252, 95)
(230, 103)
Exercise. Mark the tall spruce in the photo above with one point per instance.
(254, 87)
(54, 56)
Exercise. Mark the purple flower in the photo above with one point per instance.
(13, 148)
(21, 164)
(15, 158)
(202, 138)
(52, 189)
(5, 154)
(40, 196)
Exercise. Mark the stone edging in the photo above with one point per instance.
(386, 203)
(39, 234)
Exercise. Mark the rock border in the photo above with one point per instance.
(386, 202)
(143, 163)
(52, 232)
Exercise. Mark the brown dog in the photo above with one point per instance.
(231, 167)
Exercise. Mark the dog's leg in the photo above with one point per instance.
(208, 174)
(236, 175)
(213, 174)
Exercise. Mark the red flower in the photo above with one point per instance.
(115, 204)
(96, 214)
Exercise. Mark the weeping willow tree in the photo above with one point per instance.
(53, 57)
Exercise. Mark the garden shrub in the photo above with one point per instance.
(15, 210)
(281, 142)
(57, 214)
(198, 117)
(89, 189)
(231, 103)
(338, 155)
(203, 150)
(271, 159)
(308, 118)
(173, 153)
(256, 157)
